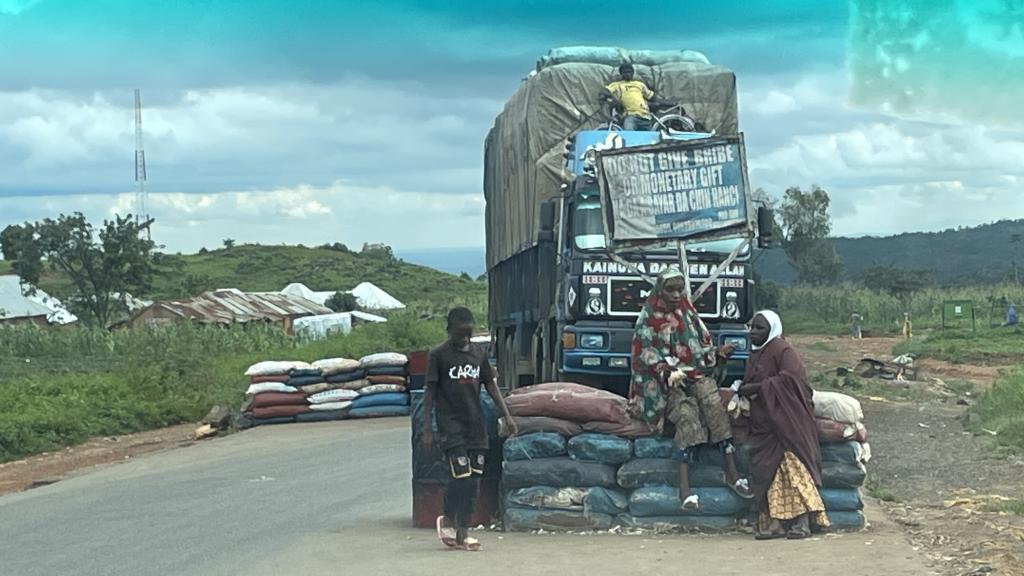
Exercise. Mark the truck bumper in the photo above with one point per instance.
(611, 363)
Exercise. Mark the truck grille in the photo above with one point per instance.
(626, 296)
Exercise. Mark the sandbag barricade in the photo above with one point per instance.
(329, 389)
(564, 455)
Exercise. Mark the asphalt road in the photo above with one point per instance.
(335, 498)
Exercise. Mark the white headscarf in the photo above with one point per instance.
(775, 322)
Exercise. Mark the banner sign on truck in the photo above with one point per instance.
(675, 190)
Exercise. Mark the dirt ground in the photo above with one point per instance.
(50, 467)
(938, 476)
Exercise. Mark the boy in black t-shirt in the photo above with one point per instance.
(455, 372)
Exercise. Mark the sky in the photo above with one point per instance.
(308, 122)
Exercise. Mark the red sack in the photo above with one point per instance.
(278, 411)
(396, 380)
(265, 399)
(282, 378)
(555, 386)
(571, 402)
(830, 431)
(633, 429)
(531, 424)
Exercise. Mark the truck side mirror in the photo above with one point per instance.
(765, 227)
(548, 215)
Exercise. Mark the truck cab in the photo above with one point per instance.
(598, 299)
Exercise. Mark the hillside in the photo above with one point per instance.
(967, 256)
(271, 268)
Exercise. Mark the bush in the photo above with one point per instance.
(1001, 410)
(62, 387)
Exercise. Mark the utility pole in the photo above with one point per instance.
(141, 196)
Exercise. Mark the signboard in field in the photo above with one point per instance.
(676, 190)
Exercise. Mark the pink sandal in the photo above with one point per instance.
(444, 534)
(470, 545)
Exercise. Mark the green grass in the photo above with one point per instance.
(256, 268)
(822, 346)
(864, 387)
(986, 346)
(827, 310)
(1001, 410)
(879, 490)
(1015, 507)
(59, 388)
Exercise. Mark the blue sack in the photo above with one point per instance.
(680, 523)
(654, 447)
(664, 501)
(845, 452)
(600, 500)
(378, 411)
(602, 448)
(304, 380)
(841, 520)
(533, 446)
(322, 416)
(842, 499)
(382, 399)
(663, 472)
(840, 475)
(530, 519)
(346, 377)
(557, 472)
(387, 371)
(274, 420)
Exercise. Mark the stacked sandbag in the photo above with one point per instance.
(273, 396)
(580, 463)
(844, 454)
(559, 473)
(384, 390)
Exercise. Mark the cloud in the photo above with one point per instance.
(244, 137)
(340, 212)
(15, 7)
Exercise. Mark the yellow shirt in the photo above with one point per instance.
(633, 95)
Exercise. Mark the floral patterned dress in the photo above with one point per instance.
(666, 338)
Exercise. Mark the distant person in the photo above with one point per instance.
(455, 372)
(855, 325)
(785, 456)
(908, 326)
(673, 360)
(633, 96)
(1011, 316)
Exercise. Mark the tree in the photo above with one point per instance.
(342, 302)
(1017, 239)
(804, 229)
(382, 251)
(901, 283)
(229, 243)
(104, 266)
(466, 276)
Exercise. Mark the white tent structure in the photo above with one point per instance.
(323, 325)
(15, 304)
(369, 296)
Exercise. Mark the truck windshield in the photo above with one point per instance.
(589, 231)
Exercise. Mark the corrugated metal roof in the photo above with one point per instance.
(14, 304)
(231, 305)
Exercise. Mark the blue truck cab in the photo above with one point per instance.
(598, 300)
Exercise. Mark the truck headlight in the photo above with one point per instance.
(740, 342)
(595, 302)
(592, 341)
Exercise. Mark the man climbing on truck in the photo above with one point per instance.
(633, 96)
